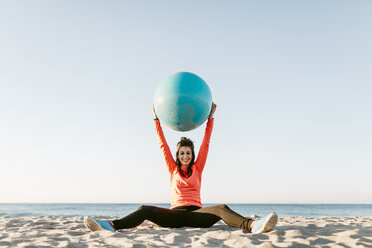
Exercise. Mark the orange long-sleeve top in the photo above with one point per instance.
(185, 190)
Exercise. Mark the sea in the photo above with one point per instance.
(122, 209)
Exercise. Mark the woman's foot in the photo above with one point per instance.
(96, 225)
(261, 225)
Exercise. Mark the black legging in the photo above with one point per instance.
(188, 216)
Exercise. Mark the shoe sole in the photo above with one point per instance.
(269, 224)
(92, 224)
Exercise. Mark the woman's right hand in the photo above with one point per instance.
(154, 112)
(213, 109)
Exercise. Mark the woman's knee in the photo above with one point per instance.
(223, 206)
(145, 208)
(141, 207)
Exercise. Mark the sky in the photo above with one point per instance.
(292, 81)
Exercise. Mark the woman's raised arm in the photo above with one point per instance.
(204, 148)
(169, 161)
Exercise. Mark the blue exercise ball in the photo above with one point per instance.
(183, 101)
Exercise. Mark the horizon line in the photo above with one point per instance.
(168, 203)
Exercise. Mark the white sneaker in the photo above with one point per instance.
(96, 225)
(261, 225)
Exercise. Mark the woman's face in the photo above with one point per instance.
(185, 155)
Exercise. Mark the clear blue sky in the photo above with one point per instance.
(292, 81)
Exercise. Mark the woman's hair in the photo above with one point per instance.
(185, 142)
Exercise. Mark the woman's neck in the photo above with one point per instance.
(184, 170)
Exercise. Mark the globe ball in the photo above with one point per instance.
(183, 101)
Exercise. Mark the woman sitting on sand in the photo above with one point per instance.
(186, 208)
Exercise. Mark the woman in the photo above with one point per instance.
(186, 208)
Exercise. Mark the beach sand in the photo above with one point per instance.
(290, 232)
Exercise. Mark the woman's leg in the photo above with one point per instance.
(161, 216)
(228, 216)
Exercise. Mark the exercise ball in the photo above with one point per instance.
(183, 101)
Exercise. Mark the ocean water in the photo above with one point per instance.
(119, 210)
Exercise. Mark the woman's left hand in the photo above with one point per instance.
(154, 112)
(213, 109)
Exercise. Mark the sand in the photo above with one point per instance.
(290, 232)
